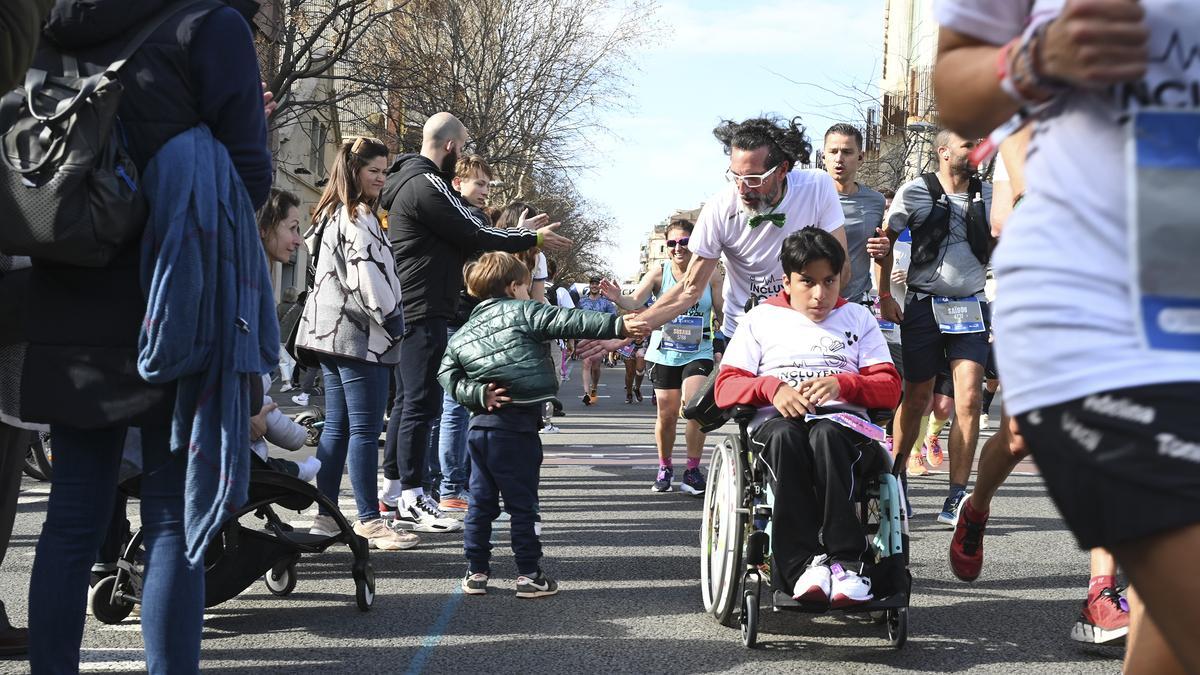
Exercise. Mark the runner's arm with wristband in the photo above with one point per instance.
(682, 295)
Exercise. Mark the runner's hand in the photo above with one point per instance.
(551, 240)
(790, 403)
(899, 276)
(880, 245)
(495, 397)
(269, 102)
(635, 326)
(821, 390)
(610, 290)
(889, 309)
(588, 349)
(258, 423)
(1016, 442)
(1096, 43)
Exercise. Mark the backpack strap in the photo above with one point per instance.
(936, 191)
(36, 79)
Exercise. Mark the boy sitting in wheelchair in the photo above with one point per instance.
(807, 351)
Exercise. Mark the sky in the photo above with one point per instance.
(714, 61)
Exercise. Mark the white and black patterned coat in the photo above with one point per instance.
(353, 309)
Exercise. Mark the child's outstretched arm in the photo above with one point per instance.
(551, 322)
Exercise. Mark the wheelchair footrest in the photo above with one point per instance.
(782, 602)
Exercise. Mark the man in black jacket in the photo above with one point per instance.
(433, 233)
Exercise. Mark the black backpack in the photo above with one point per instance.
(68, 189)
(928, 237)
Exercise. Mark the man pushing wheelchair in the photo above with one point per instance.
(814, 365)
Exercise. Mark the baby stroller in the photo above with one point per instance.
(735, 541)
(240, 555)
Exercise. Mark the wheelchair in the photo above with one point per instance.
(735, 540)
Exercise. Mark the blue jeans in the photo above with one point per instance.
(433, 465)
(355, 398)
(452, 448)
(82, 494)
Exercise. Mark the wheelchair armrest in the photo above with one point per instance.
(743, 414)
(880, 416)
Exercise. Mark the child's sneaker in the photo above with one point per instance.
(848, 588)
(663, 482)
(384, 538)
(475, 584)
(308, 469)
(538, 586)
(300, 399)
(692, 483)
(814, 583)
(933, 451)
(1104, 618)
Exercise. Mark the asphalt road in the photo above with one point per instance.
(630, 601)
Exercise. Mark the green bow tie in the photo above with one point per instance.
(777, 218)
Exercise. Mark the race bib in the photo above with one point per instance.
(958, 316)
(683, 335)
(852, 422)
(1164, 172)
(890, 329)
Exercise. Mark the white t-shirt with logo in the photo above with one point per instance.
(1064, 315)
(784, 343)
(751, 256)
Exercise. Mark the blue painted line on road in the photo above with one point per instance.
(435, 632)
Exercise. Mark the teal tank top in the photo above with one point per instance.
(688, 337)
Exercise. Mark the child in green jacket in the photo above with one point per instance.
(498, 365)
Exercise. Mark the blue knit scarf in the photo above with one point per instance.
(210, 320)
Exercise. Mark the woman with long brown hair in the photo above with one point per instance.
(353, 322)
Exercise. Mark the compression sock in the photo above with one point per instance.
(1099, 583)
(665, 463)
(693, 463)
(916, 448)
(988, 396)
(936, 425)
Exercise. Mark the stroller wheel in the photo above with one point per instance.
(897, 626)
(281, 580)
(104, 606)
(364, 588)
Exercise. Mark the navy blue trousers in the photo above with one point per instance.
(503, 463)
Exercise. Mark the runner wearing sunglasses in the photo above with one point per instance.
(681, 354)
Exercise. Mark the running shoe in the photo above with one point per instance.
(848, 588)
(966, 546)
(916, 467)
(1104, 618)
(628, 397)
(300, 399)
(424, 516)
(814, 583)
(286, 388)
(537, 586)
(475, 584)
(949, 514)
(324, 526)
(984, 421)
(380, 536)
(933, 451)
(663, 482)
(693, 482)
(457, 504)
(637, 393)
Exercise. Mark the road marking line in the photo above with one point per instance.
(435, 632)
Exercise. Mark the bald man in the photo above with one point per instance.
(433, 233)
(945, 318)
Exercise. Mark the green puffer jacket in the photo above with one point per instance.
(505, 342)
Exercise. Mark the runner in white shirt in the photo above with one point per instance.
(1096, 305)
(746, 223)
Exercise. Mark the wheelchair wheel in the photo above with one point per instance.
(897, 626)
(749, 618)
(722, 535)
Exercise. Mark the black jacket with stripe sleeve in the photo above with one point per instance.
(433, 234)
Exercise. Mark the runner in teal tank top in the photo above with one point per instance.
(680, 354)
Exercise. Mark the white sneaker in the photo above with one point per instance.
(550, 429)
(984, 421)
(300, 399)
(424, 516)
(286, 388)
(308, 469)
(384, 538)
(849, 588)
(324, 526)
(813, 585)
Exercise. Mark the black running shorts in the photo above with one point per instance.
(928, 351)
(1121, 465)
(672, 377)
